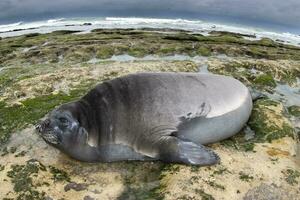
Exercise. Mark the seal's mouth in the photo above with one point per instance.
(45, 130)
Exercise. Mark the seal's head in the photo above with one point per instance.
(61, 127)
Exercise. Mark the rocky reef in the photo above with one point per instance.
(41, 71)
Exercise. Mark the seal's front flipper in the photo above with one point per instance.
(189, 153)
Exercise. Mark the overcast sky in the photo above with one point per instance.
(280, 14)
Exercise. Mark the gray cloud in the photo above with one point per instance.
(274, 12)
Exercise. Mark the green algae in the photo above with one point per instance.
(59, 175)
(104, 52)
(62, 46)
(195, 168)
(167, 50)
(291, 176)
(248, 146)
(265, 129)
(245, 177)
(220, 171)
(21, 177)
(16, 117)
(204, 51)
(263, 77)
(267, 42)
(8, 76)
(257, 52)
(140, 193)
(239, 143)
(215, 185)
(204, 195)
(265, 80)
(79, 54)
(294, 110)
(137, 51)
(143, 186)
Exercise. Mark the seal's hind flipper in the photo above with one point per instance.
(194, 154)
(170, 149)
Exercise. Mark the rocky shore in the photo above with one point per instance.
(41, 71)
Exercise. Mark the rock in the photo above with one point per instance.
(31, 35)
(87, 24)
(278, 40)
(88, 198)
(75, 186)
(220, 33)
(268, 192)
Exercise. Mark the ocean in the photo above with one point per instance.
(87, 24)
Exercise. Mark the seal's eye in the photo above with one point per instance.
(63, 120)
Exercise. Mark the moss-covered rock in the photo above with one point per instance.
(204, 51)
(265, 80)
(258, 73)
(137, 51)
(104, 52)
(294, 110)
(268, 121)
(63, 46)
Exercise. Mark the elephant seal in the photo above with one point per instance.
(150, 116)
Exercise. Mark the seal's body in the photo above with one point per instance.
(166, 116)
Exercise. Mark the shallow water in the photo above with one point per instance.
(286, 94)
(175, 57)
(201, 61)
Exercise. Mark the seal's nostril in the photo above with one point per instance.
(47, 122)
